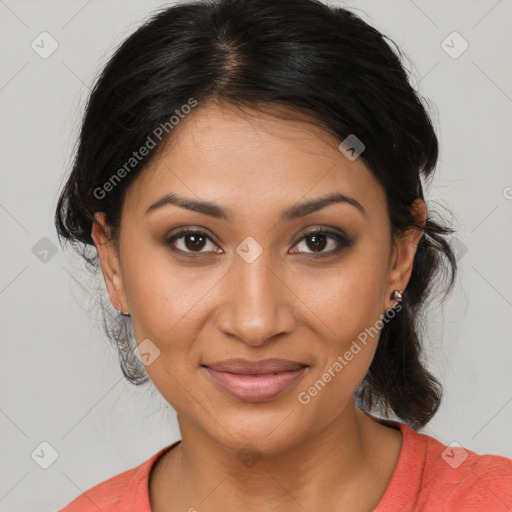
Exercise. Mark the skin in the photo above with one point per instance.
(324, 455)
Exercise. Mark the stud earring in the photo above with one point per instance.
(121, 313)
(397, 295)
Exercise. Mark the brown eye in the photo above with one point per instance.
(190, 241)
(316, 241)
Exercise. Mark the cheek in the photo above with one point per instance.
(170, 304)
(342, 367)
(167, 309)
(347, 305)
(348, 297)
(163, 296)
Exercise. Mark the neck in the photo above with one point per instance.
(321, 472)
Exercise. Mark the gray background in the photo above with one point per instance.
(60, 381)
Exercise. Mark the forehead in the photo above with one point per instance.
(248, 160)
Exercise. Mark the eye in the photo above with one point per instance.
(190, 241)
(319, 240)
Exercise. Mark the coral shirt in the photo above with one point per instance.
(429, 477)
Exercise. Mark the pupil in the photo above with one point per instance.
(197, 240)
(318, 244)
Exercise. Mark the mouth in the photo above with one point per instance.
(255, 381)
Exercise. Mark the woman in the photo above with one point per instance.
(249, 172)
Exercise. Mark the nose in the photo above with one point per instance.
(257, 303)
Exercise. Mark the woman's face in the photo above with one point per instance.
(252, 286)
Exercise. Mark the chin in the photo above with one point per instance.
(256, 430)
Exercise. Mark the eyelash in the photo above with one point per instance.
(343, 241)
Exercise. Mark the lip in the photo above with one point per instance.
(255, 381)
(248, 367)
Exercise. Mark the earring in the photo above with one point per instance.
(397, 295)
(122, 314)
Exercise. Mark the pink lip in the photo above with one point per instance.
(255, 367)
(256, 387)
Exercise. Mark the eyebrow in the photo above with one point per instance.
(294, 212)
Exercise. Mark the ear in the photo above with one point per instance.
(109, 259)
(404, 250)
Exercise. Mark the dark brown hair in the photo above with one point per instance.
(322, 61)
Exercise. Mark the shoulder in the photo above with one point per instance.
(464, 478)
(105, 496)
(455, 478)
(127, 488)
(431, 476)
